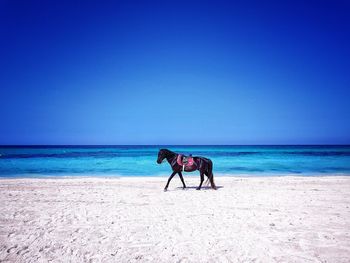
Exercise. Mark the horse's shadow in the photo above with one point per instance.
(202, 188)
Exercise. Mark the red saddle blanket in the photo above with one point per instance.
(189, 162)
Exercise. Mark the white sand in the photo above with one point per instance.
(275, 219)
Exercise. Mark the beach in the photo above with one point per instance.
(131, 219)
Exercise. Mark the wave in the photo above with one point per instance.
(104, 154)
(101, 154)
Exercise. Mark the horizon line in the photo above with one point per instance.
(116, 145)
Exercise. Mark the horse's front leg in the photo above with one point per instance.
(182, 180)
(202, 179)
(171, 177)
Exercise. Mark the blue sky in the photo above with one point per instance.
(175, 72)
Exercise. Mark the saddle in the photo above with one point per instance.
(187, 162)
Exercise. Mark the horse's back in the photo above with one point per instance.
(203, 158)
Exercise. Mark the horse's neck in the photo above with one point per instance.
(170, 157)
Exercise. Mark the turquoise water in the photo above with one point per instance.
(141, 160)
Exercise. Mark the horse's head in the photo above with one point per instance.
(162, 154)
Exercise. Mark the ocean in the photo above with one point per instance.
(42, 161)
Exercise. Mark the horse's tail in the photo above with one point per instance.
(210, 174)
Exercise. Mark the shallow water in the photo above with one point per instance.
(141, 160)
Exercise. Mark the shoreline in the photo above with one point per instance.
(186, 175)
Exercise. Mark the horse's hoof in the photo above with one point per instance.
(198, 188)
(184, 188)
(214, 188)
(165, 189)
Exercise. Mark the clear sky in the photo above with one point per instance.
(175, 72)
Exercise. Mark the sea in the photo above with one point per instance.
(140, 160)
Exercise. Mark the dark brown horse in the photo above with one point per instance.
(203, 165)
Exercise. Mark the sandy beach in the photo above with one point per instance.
(257, 219)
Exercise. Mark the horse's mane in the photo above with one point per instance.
(167, 151)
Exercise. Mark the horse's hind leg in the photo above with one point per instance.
(182, 179)
(206, 181)
(171, 177)
(202, 179)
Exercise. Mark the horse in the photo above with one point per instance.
(177, 163)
